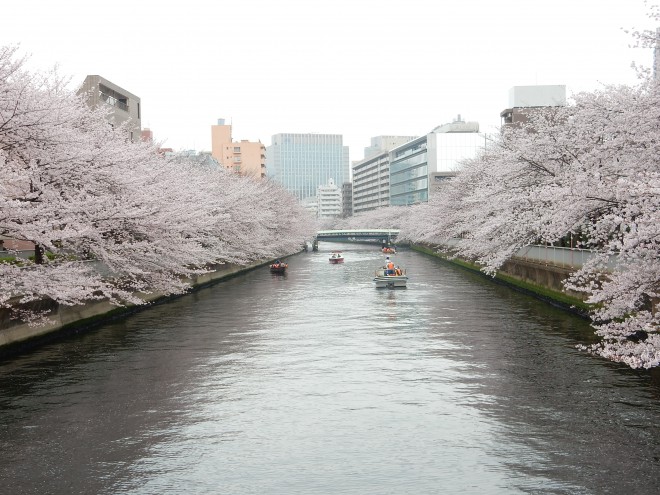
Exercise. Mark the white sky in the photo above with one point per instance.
(360, 68)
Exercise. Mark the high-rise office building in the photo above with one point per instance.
(303, 162)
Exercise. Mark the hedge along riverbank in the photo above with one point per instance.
(18, 337)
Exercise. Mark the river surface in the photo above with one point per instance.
(316, 382)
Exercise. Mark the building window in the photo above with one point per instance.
(112, 97)
(237, 149)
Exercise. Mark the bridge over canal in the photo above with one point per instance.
(362, 235)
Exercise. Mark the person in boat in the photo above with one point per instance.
(389, 267)
(397, 271)
(277, 264)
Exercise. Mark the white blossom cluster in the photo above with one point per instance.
(117, 218)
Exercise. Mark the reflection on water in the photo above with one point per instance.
(316, 382)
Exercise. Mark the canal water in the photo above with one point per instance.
(316, 382)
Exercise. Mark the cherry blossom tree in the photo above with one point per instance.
(588, 170)
(118, 217)
(391, 217)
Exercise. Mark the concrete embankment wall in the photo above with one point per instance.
(17, 337)
(539, 280)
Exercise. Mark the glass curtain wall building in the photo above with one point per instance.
(413, 165)
(409, 173)
(303, 162)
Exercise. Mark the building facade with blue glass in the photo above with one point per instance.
(303, 162)
(416, 165)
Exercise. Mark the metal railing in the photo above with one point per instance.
(556, 256)
(561, 256)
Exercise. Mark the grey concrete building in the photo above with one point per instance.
(347, 199)
(125, 105)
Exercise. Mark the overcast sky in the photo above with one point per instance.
(360, 68)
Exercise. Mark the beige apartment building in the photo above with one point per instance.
(243, 157)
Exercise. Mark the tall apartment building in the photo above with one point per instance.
(243, 157)
(371, 176)
(303, 162)
(329, 200)
(371, 183)
(125, 105)
(525, 99)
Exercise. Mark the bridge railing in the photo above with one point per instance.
(361, 233)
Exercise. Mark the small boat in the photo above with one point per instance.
(383, 279)
(278, 267)
(336, 257)
(389, 250)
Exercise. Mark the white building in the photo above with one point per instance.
(329, 200)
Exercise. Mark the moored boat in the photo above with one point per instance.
(278, 267)
(336, 257)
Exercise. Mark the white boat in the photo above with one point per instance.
(382, 280)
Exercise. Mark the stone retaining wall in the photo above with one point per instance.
(16, 336)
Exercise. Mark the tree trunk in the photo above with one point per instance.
(38, 254)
